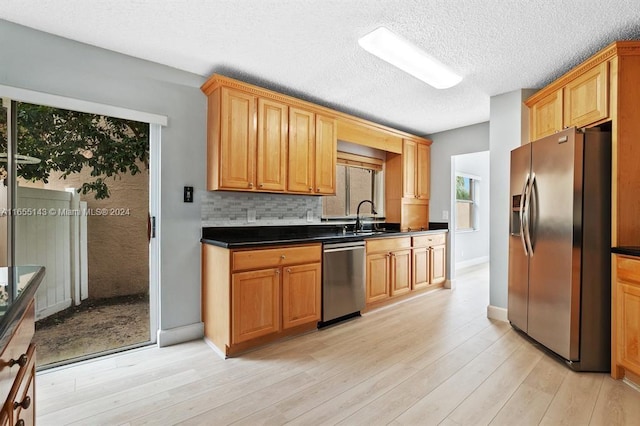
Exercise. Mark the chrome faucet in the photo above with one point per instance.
(358, 226)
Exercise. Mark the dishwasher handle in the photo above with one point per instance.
(350, 248)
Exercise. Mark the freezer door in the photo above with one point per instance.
(555, 229)
(518, 259)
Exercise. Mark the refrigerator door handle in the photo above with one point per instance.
(523, 205)
(527, 209)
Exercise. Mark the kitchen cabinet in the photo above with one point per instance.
(415, 165)
(312, 153)
(408, 203)
(258, 140)
(253, 296)
(603, 91)
(546, 116)
(388, 272)
(429, 261)
(626, 349)
(581, 101)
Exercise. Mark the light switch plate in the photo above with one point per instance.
(251, 215)
(445, 214)
(309, 215)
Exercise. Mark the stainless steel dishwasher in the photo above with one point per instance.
(343, 280)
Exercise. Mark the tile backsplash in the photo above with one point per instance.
(235, 209)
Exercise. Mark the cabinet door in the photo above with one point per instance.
(586, 99)
(423, 166)
(237, 140)
(301, 168)
(255, 299)
(629, 326)
(400, 272)
(377, 277)
(272, 145)
(326, 154)
(545, 116)
(438, 264)
(420, 268)
(301, 293)
(409, 159)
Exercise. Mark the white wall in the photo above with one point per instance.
(473, 247)
(464, 140)
(42, 62)
(509, 128)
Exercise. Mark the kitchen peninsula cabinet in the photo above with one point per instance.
(627, 317)
(429, 261)
(254, 296)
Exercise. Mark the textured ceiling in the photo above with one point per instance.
(309, 49)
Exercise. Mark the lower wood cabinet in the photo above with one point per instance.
(398, 266)
(251, 297)
(429, 260)
(626, 319)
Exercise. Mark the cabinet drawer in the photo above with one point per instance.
(388, 244)
(628, 269)
(274, 257)
(429, 240)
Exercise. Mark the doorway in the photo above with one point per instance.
(83, 182)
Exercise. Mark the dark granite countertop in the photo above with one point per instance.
(18, 286)
(257, 236)
(628, 250)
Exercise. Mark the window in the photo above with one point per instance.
(466, 202)
(357, 178)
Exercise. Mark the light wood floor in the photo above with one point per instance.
(434, 359)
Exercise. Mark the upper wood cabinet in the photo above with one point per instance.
(312, 153)
(415, 174)
(272, 145)
(580, 101)
(586, 98)
(546, 116)
(235, 142)
(262, 143)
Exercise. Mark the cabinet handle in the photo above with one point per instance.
(22, 361)
(25, 403)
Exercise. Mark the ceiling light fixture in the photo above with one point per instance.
(409, 58)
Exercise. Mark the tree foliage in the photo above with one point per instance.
(66, 141)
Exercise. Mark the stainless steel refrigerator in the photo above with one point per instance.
(560, 245)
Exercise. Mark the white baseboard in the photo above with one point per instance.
(183, 334)
(472, 262)
(497, 313)
(450, 284)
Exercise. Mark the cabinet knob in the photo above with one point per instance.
(283, 256)
(317, 189)
(250, 184)
(25, 403)
(277, 271)
(261, 185)
(22, 361)
(20, 422)
(310, 188)
(289, 270)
